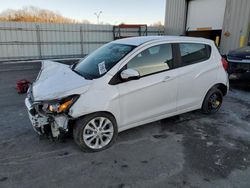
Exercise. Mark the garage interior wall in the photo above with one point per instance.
(175, 17)
(236, 25)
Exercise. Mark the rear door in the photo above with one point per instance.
(196, 72)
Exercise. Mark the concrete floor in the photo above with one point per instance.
(190, 150)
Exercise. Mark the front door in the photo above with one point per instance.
(154, 94)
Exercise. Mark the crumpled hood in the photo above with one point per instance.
(57, 80)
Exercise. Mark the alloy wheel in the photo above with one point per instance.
(98, 132)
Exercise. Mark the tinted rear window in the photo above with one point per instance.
(194, 53)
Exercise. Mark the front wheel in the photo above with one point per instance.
(95, 132)
(212, 101)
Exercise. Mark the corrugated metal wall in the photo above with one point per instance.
(21, 40)
(175, 17)
(236, 24)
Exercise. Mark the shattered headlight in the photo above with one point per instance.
(59, 105)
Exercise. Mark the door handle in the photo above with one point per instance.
(166, 78)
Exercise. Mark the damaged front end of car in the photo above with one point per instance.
(51, 97)
(50, 118)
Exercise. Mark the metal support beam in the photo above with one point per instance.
(81, 39)
(38, 37)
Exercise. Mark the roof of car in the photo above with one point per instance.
(136, 41)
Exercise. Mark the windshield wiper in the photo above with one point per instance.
(84, 75)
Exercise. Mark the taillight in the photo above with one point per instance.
(224, 63)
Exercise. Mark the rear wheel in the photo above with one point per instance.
(95, 132)
(212, 101)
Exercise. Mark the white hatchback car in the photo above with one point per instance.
(124, 84)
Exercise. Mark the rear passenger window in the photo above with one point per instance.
(194, 53)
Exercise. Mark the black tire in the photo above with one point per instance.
(212, 101)
(79, 129)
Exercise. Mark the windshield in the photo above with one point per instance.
(102, 60)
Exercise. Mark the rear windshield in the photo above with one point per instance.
(102, 60)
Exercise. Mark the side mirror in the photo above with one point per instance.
(130, 74)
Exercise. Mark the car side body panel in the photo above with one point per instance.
(194, 81)
(98, 98)
(150, 98)
(147, 97)
(129, 101)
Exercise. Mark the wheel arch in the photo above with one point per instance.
(82, 121)
(106, 112)
(222, 87)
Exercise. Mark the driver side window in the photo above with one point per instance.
(152, 60)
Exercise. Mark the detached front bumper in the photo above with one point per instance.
(46, 125)
(39, 123)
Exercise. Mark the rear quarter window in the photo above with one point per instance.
(192, 53)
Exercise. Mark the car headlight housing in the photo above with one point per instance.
(59, 105)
